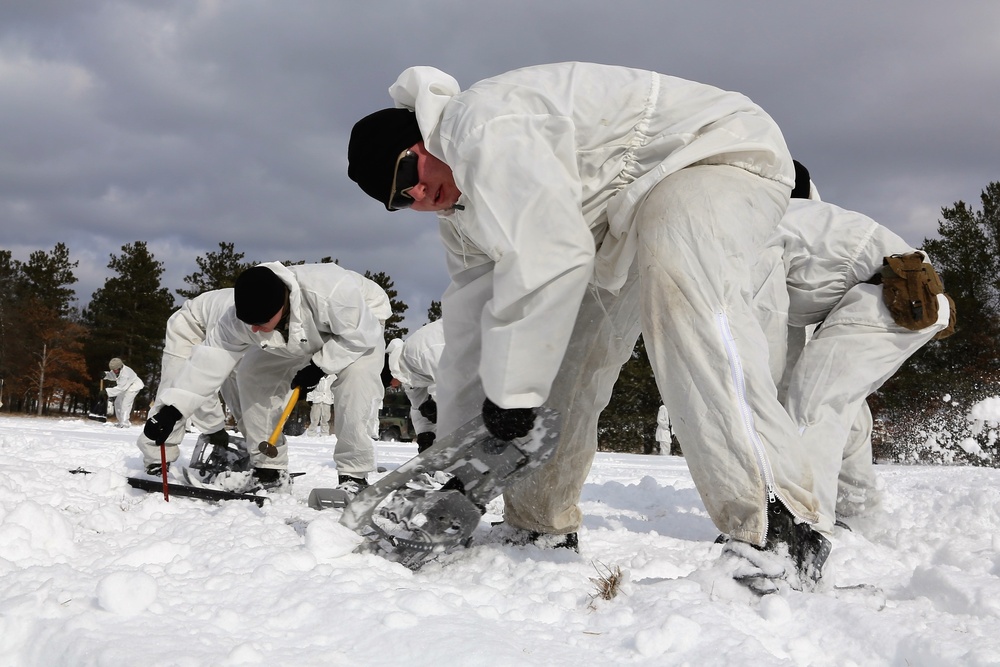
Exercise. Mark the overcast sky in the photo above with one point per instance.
(184, 123)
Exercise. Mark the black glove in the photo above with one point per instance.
(429, 410)
(308, 377)
(507, 424)
(160, 425)
(424, 441)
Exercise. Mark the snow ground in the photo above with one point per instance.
(94, 573)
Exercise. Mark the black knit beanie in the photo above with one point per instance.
(259, 295)
(801, 189)
(376, 142)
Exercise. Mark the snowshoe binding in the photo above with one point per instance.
(218, 464)
(218, 452)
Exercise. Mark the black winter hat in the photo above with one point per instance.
(259, 295)
(376, 142)
(801, 189)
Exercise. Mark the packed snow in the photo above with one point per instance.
(95, 573)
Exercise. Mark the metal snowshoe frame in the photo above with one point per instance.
(411, 524)
(212, 459)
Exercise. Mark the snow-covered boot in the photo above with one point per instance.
(272, 479)
(807, 548)
(505, 533)
(351, 486)
(792, 556)
(155, 470)
(550, 541)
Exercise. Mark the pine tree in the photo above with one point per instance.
(52, 339)
(128, 316)
(990, 219)
(966, 366)
(392, 328)
(434, 312)
(217, 271)
(628, 424)
(40, 341)
(967, 255)
(48, 277)
(11, 285)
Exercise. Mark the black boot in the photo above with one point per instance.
(424, 441)
(551, 541)
(807, 548)
(505, 533)
(276, 479)
(351, 485)
(219, 439)
(155, 469)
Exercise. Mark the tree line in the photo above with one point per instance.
(51, 354)
(922, 412)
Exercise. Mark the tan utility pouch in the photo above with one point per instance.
(910, 287)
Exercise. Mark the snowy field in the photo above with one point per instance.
(94, 573)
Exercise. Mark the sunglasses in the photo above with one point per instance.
(404, 179)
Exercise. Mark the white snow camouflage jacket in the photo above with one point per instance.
(189, 323)
(323, 391)
(336, 316)
(414, 361)
(127, 381)
(553, 162)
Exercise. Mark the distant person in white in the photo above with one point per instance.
(127, 385)
(663, 429)
(320, 400)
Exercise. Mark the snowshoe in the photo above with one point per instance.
(188, 491)
(410, 516)
(226, 480)
(220, 464)
(227, 468)
(218, 452)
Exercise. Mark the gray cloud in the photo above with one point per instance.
(185, 123)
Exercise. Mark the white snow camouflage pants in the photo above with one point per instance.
(816, 270)
(208, 418)
(264, 378)
(700, 232)
(262, 381)
(319, 418)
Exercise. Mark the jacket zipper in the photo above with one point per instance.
(739, 384)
